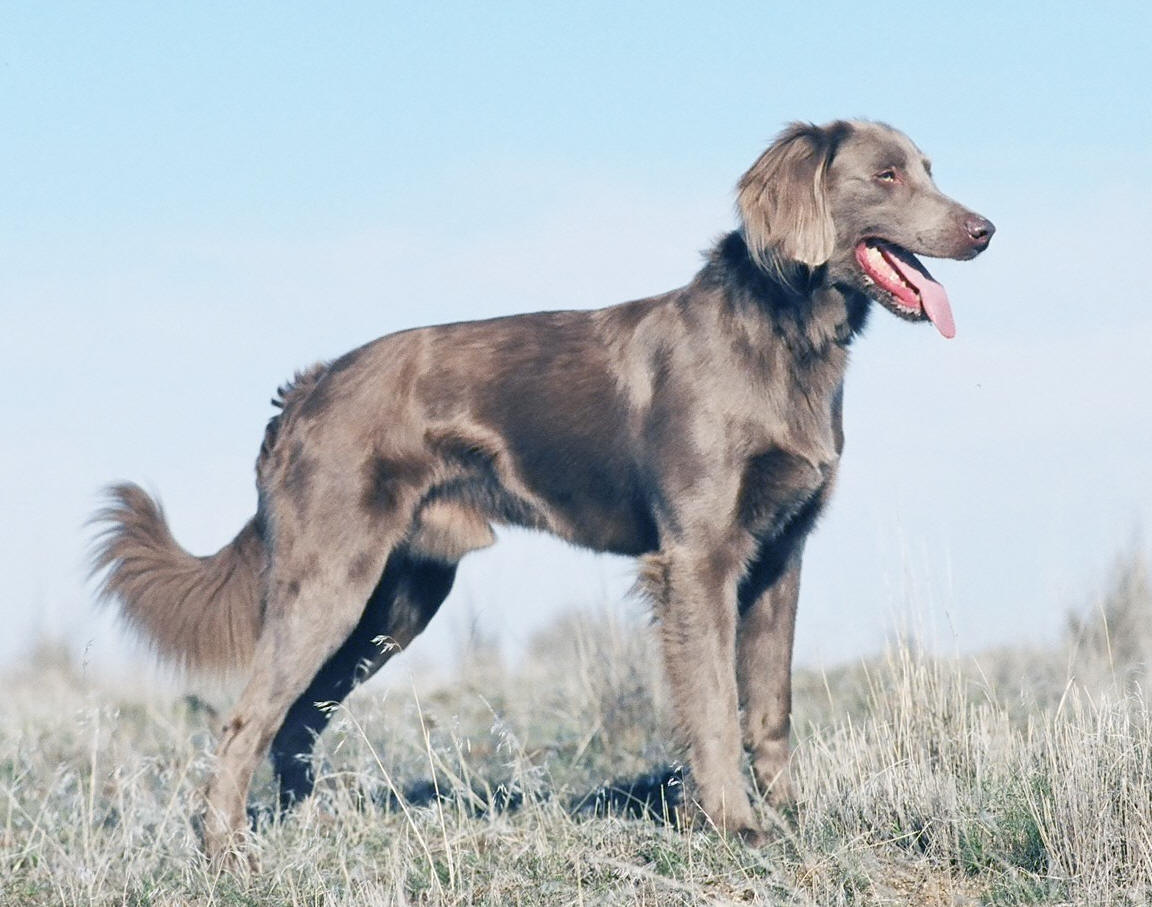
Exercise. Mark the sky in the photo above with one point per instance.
(198, 199)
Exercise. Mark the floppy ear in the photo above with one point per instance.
(782, 200)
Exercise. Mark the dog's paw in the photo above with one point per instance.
(228, 850)
(752, 836)
(237, 861)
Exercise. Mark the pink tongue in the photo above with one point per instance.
(933, 297)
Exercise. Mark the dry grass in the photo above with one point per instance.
(1011, 778)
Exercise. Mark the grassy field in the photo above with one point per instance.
(1014, 777)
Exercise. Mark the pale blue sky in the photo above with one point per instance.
(197, 199)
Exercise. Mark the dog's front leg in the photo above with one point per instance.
(767, 596)
(694, 589)
(764, 669)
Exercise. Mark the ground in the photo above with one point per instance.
(1011, 777)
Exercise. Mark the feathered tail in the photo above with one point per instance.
(201, 613)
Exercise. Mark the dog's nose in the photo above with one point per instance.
(980, 230)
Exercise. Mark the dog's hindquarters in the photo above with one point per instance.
(338, 528)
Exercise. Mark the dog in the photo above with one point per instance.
(699, 431)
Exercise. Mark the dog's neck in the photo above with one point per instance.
(810, 315)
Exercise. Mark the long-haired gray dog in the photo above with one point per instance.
(699, 430)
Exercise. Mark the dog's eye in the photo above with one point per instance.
(887, 176)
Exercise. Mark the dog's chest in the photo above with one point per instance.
(791, 458)
(800, 414)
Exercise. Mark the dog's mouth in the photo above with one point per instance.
(909, 289)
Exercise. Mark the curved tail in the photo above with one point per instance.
(202, 613)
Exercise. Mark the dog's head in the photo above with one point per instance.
(857, 199)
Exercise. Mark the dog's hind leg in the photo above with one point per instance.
(320, 574)
(408, 595)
